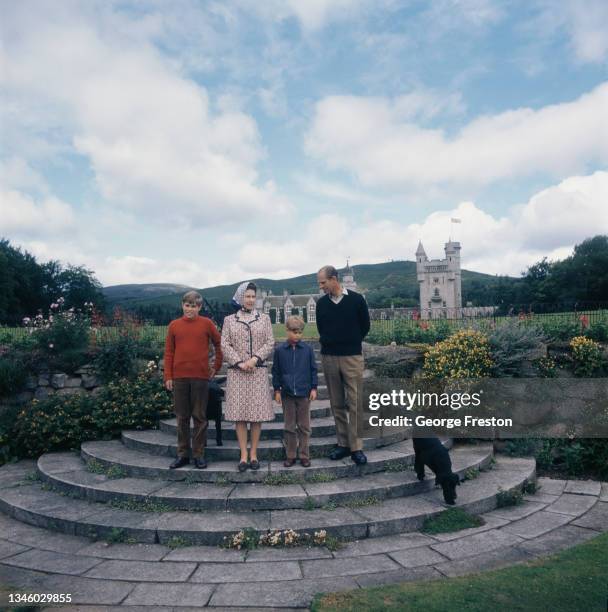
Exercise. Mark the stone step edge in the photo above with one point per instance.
(270, 430)
(139, 468)
(295, 495)
(268, 449)
(47, 509)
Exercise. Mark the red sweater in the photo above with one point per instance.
(187, 348)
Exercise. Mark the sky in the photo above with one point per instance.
(207, 142)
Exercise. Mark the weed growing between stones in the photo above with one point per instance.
(452, 519)
(177, 542)
(119, 536)
(248, 539)
(190, 479)
(361, 503)
(396, 466)
(148, 505)
(222, 481)
(280, 479)
(277, 480)
(471, 474)
(32, 477)
(530, 487)
(116, 471)
(508, 498)
(309, 504)
(330, 506)
(320, 477)
(46, 486)
(95, 467)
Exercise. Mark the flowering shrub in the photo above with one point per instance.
(248, 539)
(465, 354)
(63, 422)
(62, 329)
(587, 356)
(546, 367)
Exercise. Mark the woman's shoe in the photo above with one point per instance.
(305, 462)
(289, 462)
(254, 464)
(243, 466)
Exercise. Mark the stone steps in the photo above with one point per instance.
(156, 442)
(30, 503)
(64, 474)
(112, 455)
(320, 427)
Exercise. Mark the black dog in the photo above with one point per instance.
(431, 452)
(214, 409)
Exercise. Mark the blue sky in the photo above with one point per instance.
(209, 142)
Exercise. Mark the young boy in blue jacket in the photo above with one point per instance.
(294, 379)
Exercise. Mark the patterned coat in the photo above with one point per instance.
(248, 397)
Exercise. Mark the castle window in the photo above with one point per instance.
(435, 280)
(436, 292)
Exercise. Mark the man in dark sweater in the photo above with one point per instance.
(343, 322)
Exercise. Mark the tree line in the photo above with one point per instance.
(27, 286)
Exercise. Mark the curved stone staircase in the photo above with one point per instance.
(125, 487)
(106, 487)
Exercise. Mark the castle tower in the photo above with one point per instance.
(440, 284)
(348, 278)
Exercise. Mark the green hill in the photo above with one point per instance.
(384, 283)
(116, 293)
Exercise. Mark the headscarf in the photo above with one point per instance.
(238, 299)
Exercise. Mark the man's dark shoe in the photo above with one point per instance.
(359, 457)
(179, 462)
(339, 452)
(200, 463)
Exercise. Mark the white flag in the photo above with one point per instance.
(454, 220)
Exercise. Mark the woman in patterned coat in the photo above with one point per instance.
(247, 342)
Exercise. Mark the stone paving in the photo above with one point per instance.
(155, 577)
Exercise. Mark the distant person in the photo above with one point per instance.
(343, 321)
(187, 374)
(294, 379)
(247, 342)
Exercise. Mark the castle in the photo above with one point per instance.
(279, 307)
(440, 283)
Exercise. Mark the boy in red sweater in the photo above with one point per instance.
(187, 374)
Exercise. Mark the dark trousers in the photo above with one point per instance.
(190, 401)
(296, 411)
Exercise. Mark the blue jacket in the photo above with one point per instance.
(294, 371)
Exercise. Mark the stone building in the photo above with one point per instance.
(279, 307)
(440, 283)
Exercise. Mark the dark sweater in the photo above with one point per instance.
(342, 326)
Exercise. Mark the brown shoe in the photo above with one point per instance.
(289, 462)
(305, 462)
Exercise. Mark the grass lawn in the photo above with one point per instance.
(575, 579)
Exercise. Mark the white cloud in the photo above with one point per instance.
(585, 23)
(23, 215)
(151, 138)
(549, 224)
(376, 140)
(16, 173)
